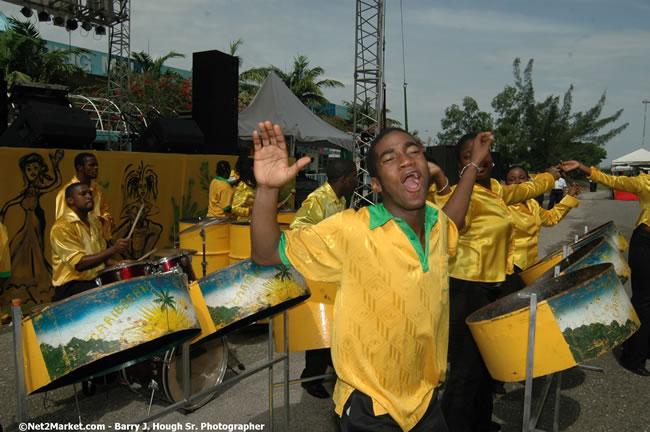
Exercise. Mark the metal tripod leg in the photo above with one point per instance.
(204, 263)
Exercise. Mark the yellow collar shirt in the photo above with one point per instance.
(220, 197)
(529, 218)
(71, 240)
(100, 210)
(486, 246)
(391, 313)
(320, 204)
(5, 254)
(242, 202)
(639, 185)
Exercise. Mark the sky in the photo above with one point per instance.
(451, 49)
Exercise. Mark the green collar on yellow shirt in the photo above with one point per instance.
(221, 178)
(379, 216)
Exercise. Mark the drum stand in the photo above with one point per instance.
(204, 263)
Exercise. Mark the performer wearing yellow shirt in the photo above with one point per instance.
(244, 193)
(87, 169)
(5, 256)
(221, 193)
(529, 218)
(322, 203)
(481, 272)
(637, 348)
(389, 340)
(78, 247)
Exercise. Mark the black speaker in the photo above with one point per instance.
(171, 135)
(50, 126)
(215, 93)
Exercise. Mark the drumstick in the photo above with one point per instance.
(147, 254)
(281, 203)
(135, 222)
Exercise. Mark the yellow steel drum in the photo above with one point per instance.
(217, 243)
(580, 315)
(310, 322)
(286, 216)
(102, 329)
(240, 241)
(609, 231)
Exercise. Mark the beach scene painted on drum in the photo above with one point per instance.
(247, 290)
(111, 319)
(172, 187)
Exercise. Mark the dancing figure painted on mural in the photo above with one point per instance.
(31, 276)
(139, 187)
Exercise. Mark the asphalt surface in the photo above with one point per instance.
(611, 400)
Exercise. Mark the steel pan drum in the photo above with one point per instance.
(208, 364)
(123, 271)
(310, 322)
(100, 330)
(182, 261)
(609, 231)
(286, 216)
(243, 293)
(596, 251)
(217, 242)
(580, 315)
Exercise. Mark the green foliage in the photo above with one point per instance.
(590, 341)
(222, 315)
(77, 352)
(186, 209)
(204, 177)
(24, 57)
(535, 134)
(283, 273)
(302, 80)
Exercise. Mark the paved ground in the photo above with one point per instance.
(613, 400)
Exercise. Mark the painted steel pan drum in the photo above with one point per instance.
(243, 293)
(609, 231)
(596, 251)
(208, 364)
(310, 322)
(217, 242)
(102, 329)
(580, 315)
(124, 271)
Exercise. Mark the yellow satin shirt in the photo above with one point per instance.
(220, 197)
(5, 253)
(639, 185)
(71, 240)
(528, 218)
(486, 247)
(100, 210)
(320, 204)
(391, 312)
(242, 202)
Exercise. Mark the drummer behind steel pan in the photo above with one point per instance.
(221, 193)
(78, 247)
(391, 313)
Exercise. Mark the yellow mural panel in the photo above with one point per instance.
(170, 186)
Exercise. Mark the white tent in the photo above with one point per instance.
(640, 157)
(275, 102)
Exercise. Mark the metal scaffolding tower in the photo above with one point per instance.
(368, 90)
(119, 67)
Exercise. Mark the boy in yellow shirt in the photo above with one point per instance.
(221, 193)
(391, 314)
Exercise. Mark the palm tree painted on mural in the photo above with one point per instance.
(24, 57)
(166, 302)
(284, 273)
(302, 80)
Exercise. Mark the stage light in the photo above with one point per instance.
(100, 30)
(71, 25)
(26, 11)
(58, 21)
(87, 26)
(43, 16)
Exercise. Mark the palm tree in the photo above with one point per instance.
(283, 273)
(302, 80)
(152, 67)
(166, 302)
(24, 57)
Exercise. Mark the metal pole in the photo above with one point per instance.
(645, 103)
(528, 390)
(21, 392)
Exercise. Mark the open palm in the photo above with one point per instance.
(271, 161)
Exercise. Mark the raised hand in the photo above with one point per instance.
(554, 171)
(481, 147)
(271, 161)
(569, 165)
(574, 190)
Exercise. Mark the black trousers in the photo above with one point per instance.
(635, 349)
(358, 416)
(316, 362)
(467, 398)
(555, 197)
(71, 288)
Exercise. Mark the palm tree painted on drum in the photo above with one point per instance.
(284, 273)
(166, 302)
